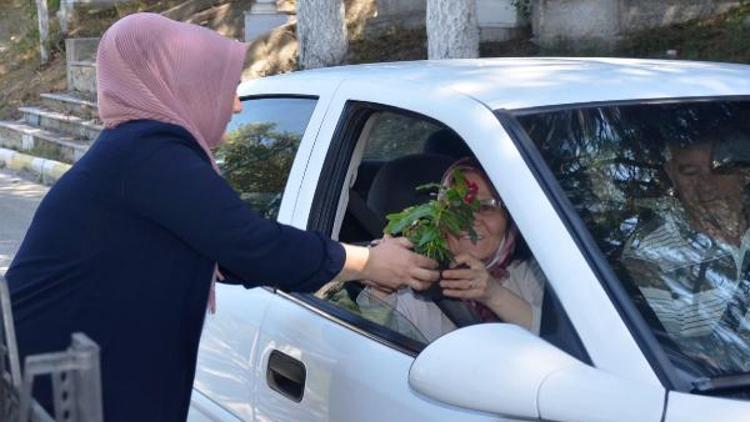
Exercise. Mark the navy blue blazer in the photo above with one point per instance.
(123, 248)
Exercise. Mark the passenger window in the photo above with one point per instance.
(398, 152)
(259, 149)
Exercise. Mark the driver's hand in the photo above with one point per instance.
(470, 282)
(392, 265)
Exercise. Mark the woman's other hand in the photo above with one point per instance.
(475, 283)
(472, 281)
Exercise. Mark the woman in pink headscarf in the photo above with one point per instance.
(125, 246)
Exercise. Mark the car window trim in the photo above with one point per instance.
(350, 124)
(278, 96)
(352, 321)
(518, 112)
(654, 353)
(356, 323)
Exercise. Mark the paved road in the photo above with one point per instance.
(18, 201)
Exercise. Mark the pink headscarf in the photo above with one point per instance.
(498, 263)
(151, 67)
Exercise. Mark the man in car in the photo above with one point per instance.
(690, 262)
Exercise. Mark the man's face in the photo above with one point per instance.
(713, 198)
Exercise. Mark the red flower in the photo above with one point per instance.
(473, 189)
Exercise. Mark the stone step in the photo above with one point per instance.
(70, 103)
(42, 143)
(62, 123)
(82, 76)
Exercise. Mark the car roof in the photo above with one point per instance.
(518, 83)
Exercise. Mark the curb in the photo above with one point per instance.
(47, 171)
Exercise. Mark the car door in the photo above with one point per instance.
(322, 362)
(265, 153)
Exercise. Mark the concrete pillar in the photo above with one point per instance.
(262, 18)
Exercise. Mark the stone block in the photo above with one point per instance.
(581, 24)
(556, 21)
(81, 49)
(82, 77)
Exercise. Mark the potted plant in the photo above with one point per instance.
(428, 225)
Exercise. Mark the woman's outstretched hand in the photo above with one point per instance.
(390, 264)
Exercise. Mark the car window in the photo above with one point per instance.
(373, 306)
(259, 149)
(420, 153)
(663, 190)
(396, 135)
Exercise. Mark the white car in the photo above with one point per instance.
(626, 179)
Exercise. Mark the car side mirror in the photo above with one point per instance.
(505, 370)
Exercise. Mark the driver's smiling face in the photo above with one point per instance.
(490, 226)
(713, 201)
(704, 192)
(696, 182)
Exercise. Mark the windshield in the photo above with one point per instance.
(663, 191)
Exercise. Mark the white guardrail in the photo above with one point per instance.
(75, 373)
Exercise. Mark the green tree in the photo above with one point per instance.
(256, 160)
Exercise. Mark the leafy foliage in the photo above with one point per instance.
(427, 225)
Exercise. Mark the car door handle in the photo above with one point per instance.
(286, 375)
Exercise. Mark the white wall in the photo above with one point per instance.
(603, 21)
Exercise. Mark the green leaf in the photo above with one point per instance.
(408, 217)
(429, 234)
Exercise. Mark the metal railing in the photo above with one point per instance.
(75, 373)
